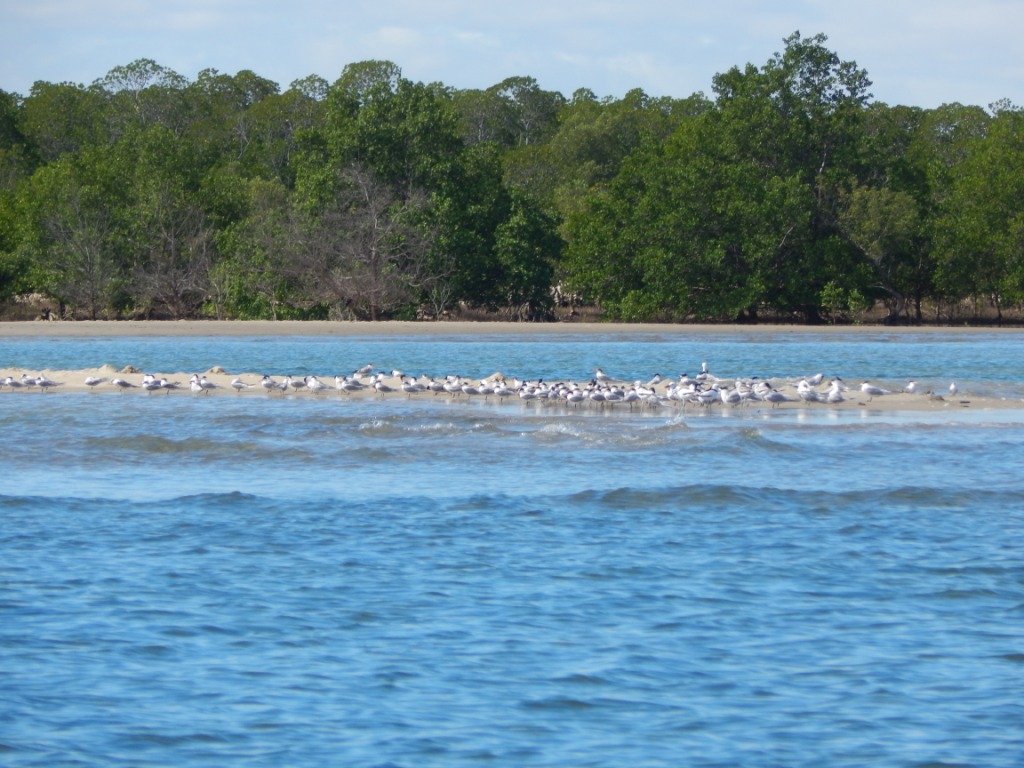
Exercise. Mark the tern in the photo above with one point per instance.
(835, 394)
(167, 386)
(872, 391)
(44, 383)
(201, 384)
(314, 385)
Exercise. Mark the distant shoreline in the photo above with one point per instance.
(185, 328)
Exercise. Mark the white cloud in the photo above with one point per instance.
(916, 53)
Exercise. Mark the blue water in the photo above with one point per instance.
(341, 581)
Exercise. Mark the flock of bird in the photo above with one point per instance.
(703, 389)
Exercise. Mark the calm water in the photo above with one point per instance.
(297, 582)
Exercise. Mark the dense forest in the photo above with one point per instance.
(789, 194)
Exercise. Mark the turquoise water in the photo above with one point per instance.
(362, 582)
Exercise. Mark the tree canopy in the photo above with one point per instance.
(787, 193)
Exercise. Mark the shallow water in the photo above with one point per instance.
(289, 581)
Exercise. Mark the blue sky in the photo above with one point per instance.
(917, 52)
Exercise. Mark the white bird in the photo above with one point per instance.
(11, 382)
(238, 385)
(44, 383)
(807, 393)
(708, 397)
(952, 389)
(122, 385)
(452, 385)
(872, 391)
(730, 396)
(527, 393)
(381, 387)
(364, 370)
(502, 389)
(314, 385)
(167, 386)
(601, 376)
(93, 381)
(151, 384)
(774, 397)
(911, 387)
(575, 396)
(349, 384)
(201, 384)
(270, 385)
(28, 381)
(411, 387)
(835, 394)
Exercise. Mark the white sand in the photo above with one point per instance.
(73, 381)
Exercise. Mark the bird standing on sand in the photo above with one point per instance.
(774, 397)
(314, 385)
(201, 384)
(835, 393)
(807, 393)
(167, 386)
(269, 384)
(44, 383)
(872, 391)
(952, 389)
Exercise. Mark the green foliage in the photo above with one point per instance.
(788, 194)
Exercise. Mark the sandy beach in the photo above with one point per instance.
(74, 380)
(247, 384)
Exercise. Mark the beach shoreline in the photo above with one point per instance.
(69, 381)
(283, 328)
(74, 381)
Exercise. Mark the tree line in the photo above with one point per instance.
(790, 193)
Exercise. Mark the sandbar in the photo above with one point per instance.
(74, 381)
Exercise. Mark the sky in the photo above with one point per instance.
(916, 52)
